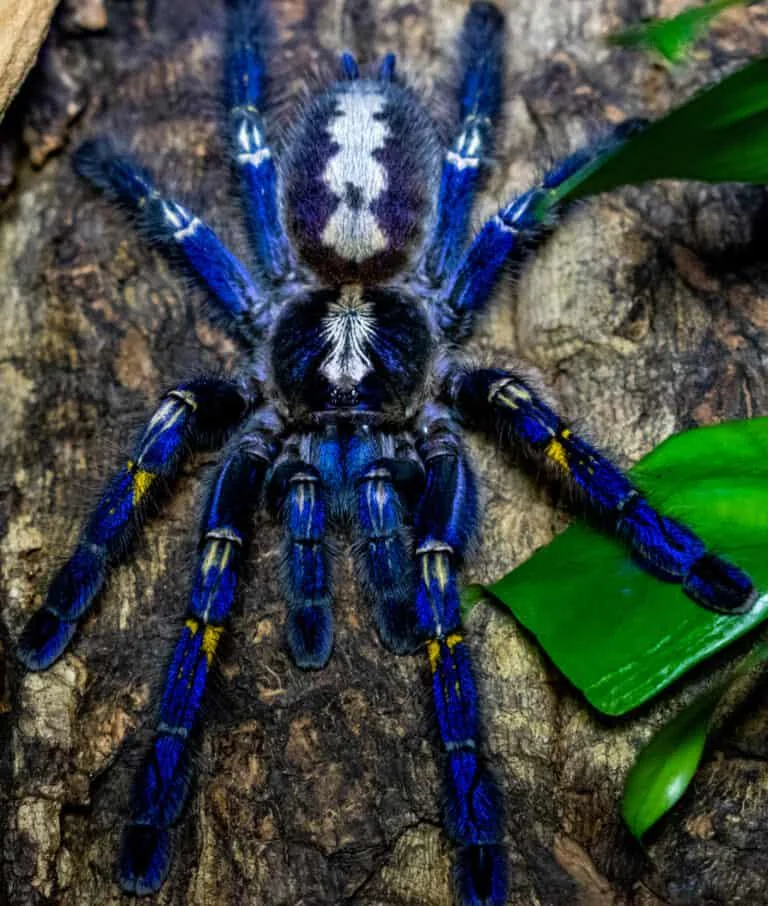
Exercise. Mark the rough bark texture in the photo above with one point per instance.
(22, 29)
(647, 311)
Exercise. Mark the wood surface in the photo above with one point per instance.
(23, 26)
(647, 312)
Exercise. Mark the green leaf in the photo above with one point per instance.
(619, 634)
(720, 135)
(673, 37)
(664, 768)
(471, 595)
(667, 763)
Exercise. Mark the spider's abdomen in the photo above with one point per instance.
(351, 348)
(359, 180)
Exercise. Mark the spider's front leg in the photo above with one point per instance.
(444, 523)
(505, 404)
(193, 414)
(163, 782)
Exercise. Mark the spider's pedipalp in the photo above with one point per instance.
(375, 462)
(444, 523)
(197, 413)
(164, 780)
(240, 302)
(300, 494)
(249, 34)
(480, 92)
(504, 403)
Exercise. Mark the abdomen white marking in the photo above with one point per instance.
(355, 177)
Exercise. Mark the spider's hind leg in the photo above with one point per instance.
(163, 782)
(505, 404)
(248, 36)
(509, 235)
(240, 304)
(480, 90)
(444, 523)
(194, 413)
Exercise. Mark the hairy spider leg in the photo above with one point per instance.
(163, 782)
(240, 304)
(571, 164)
(383, 469)
(507, 236)
(299, 490)
(200, 412)
(481, 64)
(249, 32)
(444, 524)
(503, 402)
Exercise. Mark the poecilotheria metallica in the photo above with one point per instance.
(348, 410)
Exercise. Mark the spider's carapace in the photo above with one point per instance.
(352, 348)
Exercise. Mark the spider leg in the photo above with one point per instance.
(503, 402)
(164, 779)
(506, 237)
(386, 471)
(299, 492)
(444, 523)
(241, 305)
(480, 92)
(248, 35)
(193, 414)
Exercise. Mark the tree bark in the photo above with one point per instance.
(23, 27)
(647, 312)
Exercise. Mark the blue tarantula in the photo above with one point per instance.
(349, 410)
